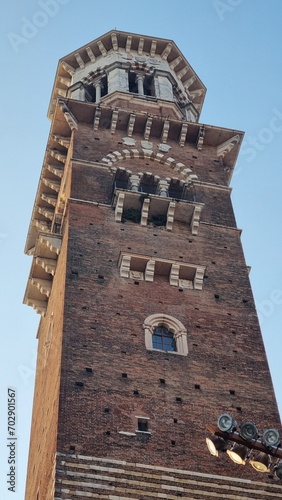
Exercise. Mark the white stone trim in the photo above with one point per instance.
(173, 325)
(119, 207)
(176, 269)
(195, 222)
(170, 215)
(145, 212)
(225, 147)
(124, 433)
(125, 154)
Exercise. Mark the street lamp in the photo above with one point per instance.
(278, 470)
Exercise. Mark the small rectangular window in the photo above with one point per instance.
(143, 424)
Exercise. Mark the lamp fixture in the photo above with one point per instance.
(271, 437)
(278, 470)
(249, 431)
(238, 454)
(261, 462)
(215, 444)
(245, 445)
(226, 422)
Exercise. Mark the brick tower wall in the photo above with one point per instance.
(108, 376)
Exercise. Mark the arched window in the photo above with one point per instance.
(163, 339)
(165, 333)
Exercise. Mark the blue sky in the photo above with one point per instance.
(235, 47)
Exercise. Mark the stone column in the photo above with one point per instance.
(162, 188)
(98, 88)
(134, 182)
(140, 83)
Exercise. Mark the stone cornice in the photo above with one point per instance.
(216, 187)
(226, 141)
(220, 226)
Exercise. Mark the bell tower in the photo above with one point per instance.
(148, 328)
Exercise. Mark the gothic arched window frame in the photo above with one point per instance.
(173, 325)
